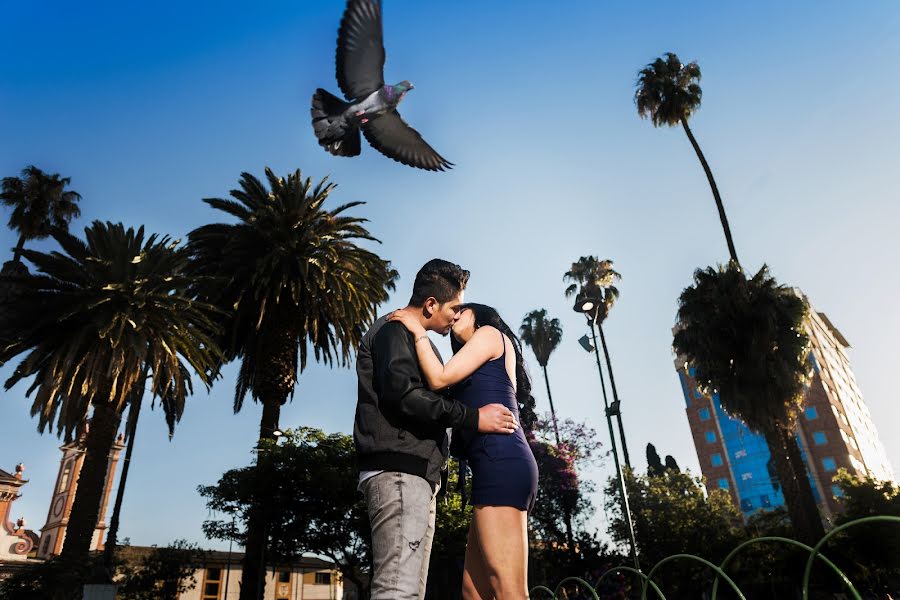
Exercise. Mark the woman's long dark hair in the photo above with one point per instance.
(486, 315)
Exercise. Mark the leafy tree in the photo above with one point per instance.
(655, 464)
(672, 514)
(40, 203)
(668, 92)
(671, 463)
(99, 312)
(307, 487)
(563, 489)
(870, 552)
(54, 579)
(162, 574)
(292, 277)
(745, 338)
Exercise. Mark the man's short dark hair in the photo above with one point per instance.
(438, 279)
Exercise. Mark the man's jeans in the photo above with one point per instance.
(401, 512)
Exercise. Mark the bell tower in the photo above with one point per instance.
(53, 533)
(15, 542)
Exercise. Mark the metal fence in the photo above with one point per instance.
(647, 583)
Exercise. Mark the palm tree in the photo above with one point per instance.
(91, 320)
(594, 278)
(669, 93)
(40, 202)
(291, 276)
(543, 335)
(745, 338)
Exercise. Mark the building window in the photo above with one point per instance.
(837, 491)
(704, 414)
(764, 501)
(829, 464)
(710, 436)
(692, 372)
(698, 394)
(723, 484)
(716, 460)
(812, 413)
(64, 480)
(746, 504)
(284, 577)
(212, 584)
(819, 438)
(323, 578)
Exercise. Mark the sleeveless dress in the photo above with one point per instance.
(504, 472)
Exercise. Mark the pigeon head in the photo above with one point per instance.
(402, 87)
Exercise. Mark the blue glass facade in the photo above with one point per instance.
(749, 456)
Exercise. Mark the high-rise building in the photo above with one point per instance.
(835, 430)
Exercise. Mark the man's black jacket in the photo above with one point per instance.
(400, 424)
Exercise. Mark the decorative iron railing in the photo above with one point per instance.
(647, 584)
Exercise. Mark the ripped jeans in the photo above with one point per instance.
(401, 513)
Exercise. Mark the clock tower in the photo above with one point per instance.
(53, 533)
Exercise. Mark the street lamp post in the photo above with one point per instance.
(587, 306)
(232, 510)
(612, 385)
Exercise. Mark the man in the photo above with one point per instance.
(401, 437)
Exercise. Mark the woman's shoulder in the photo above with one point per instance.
(491, 336)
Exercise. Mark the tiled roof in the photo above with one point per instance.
(7, 478)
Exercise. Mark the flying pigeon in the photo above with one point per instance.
(371, 105)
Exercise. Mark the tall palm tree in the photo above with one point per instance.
(91, 320)
(593, 278)
(544, 336)
(291, 276)
(669, 93)
(746, 340)
(39, 202)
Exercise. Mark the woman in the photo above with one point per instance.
(487, 367)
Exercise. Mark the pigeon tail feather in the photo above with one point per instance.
(333, 131)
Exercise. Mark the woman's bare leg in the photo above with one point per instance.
(476, 585)
(502, 538)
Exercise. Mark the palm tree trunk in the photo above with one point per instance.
(253, 566)
(567, 510)
(91, 482)
(17, 253)
(109, 550)
(715, 190)
(552, 410)
(798, 495)
(612, 384)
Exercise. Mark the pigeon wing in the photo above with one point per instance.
(390, 135)
(360, 49)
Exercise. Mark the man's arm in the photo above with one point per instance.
(400, 385)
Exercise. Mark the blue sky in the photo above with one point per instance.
(151, 107)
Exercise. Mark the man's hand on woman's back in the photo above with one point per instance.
(496, 418)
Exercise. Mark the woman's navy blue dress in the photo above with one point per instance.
(504, 472)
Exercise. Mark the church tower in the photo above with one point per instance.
(53, 533)
(15, 541)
